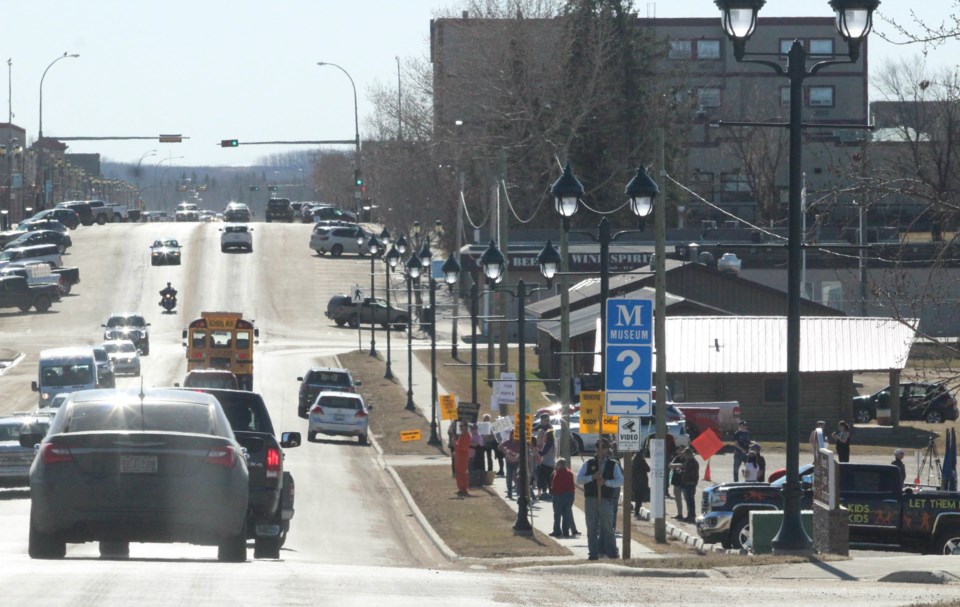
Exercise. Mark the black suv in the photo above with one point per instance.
(280, 209)
(237, 213)
(128, 326)
(930, 402)
(319, 379)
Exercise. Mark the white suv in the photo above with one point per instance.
(338, 240)
(339, 414)
(236, 236)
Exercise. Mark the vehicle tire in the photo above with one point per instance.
(268, 220)
(354, 322)
(340, 322)
(269, 547)
(311, 436)
(947, 542)
(223, 249)
(234, 549)
(136, 372)
(101, 220)
(24, 307)
(153, 262)
(933, 417)
(385, 326)
(45, 545)
(65, 289)
(362, 439)
(146, 349)
(336, 250)
(114, 550)
(576, 445)
(117, 219)
(740, 533)
(42, 303)
(862, 415)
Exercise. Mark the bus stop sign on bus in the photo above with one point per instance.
(629, 362)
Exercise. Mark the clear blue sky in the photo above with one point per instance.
(218, 69)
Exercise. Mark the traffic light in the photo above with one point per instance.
(358, 178)
(229, 143)
(272, 188)
(254, 188)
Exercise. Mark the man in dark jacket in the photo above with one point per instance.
(690, 476)
(600, 477)
(898, 462)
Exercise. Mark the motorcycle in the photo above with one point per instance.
(168, 303)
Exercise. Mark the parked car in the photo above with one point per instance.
(318, 379)
(329, 212)
(236, 236)
(339, 240)
(339, 414)
(128, 326)
(927, 401)
(125, 356)
(47, 253)
(165, 252)
(16, 292)
(81, 208)
(67, 217)
(32, 225)
(62, 241)
(15, 459)
(141, 436)
(585, 442)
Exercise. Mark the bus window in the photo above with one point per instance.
(220, 339)
(199, 338)
(243, 340)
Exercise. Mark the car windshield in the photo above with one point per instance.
(159, 417)
(806, 477)
(171, 243)
(126, 321)
(329, 378)
(68, 374)
(235, 229)
(341, 402)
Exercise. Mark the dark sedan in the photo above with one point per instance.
(930, 402)
(32, 225)
(30, 239)
(120, 466)
(165, 253)
(67, 217)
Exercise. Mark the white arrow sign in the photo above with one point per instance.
(628, 403)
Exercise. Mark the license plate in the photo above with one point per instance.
(138, 464)
(338, 417)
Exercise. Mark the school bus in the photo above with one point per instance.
(222, 340)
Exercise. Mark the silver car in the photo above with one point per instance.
(15, 459)
(125, 356)
(338, 240)
(154, 465)
(339, 414)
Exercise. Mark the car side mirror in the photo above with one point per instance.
(104, 326)
(358, 383)
(148, 324)
(176, 385)
(34, 386)
(298, 379)
(370, 406)
(289, 440)
(183, 335)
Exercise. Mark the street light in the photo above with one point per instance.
(43, 185)
(374, 247)
(854, 20)
(493, 264)
(412, 273)
(392, 258)
(356, 116)
(139, 162)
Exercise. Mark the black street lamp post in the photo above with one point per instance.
(413, 272)
(854, 20)
(373, 245)
(493, 264)
(393, 258)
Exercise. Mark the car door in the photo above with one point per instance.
(872, 499)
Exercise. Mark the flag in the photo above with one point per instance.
(707, 444)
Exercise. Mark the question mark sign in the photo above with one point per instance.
(631, 366)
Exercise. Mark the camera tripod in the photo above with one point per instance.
(931, 461)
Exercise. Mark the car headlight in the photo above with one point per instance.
(718, 498)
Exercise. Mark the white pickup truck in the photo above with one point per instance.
(107, 212)
(35, 273)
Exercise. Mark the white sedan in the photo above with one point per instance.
(125, 356)
(236, 236)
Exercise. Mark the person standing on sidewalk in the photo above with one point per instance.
(600, 476)
(640, 477)
(676, 480)
(741, 445)
(461, 460)
(690, 478)
(563, 490)
(898, 462)
(547, 452)
(842, 438)
(511, 449)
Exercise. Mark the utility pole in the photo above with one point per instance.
(504, 228)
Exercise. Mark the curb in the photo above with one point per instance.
(689, 539)
(445, 550)
(9, 363)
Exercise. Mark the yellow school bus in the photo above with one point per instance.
(222, 340)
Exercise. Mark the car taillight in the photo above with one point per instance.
(54, 455)
(317, 410)
(361, 413)
(224, 456)
(273, 463)
(324, 238)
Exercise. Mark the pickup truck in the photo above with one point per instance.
(271, 487)
(104, 212)
(15, 292)
(883, 513)
(343, 310)
(39, 273)
(723, 417)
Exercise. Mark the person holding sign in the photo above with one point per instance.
(461, 460)
(600, 476)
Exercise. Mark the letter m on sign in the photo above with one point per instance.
(629, 315)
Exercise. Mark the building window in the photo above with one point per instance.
(821, 46)
(708, 49)
(784, 96)
(708, 97)
(702, 184)
(774, 390)
(820, 96)
(734, 187)
(681, 49)
(831, 294)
